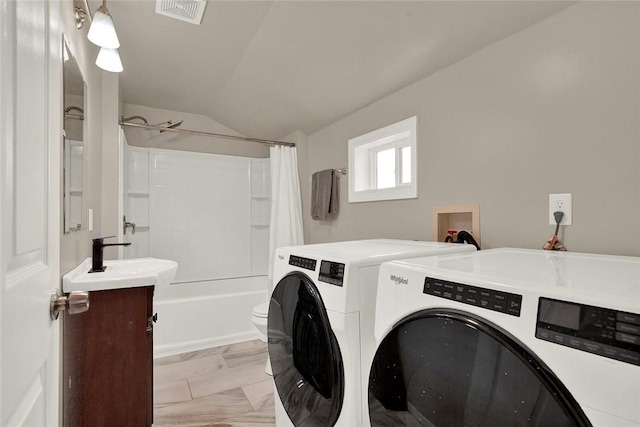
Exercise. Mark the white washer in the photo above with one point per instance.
(507, 337)
(320, 326)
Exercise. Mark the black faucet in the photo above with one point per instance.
(97, 256)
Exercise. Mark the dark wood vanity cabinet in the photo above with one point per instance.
(108, 360)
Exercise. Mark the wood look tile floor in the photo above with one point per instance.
(222, 386)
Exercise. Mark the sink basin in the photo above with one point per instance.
(119, 274)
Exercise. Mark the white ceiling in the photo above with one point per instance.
(267, 68)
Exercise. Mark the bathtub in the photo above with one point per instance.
(198, 315)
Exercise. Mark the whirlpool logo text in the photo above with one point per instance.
(399, 280)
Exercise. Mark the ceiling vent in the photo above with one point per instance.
(184, 10)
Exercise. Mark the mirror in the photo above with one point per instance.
(73, 134)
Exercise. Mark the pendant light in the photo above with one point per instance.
(109, 60)
(102, 32)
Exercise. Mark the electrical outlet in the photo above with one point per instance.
(560, 202)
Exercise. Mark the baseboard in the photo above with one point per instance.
(185, 347)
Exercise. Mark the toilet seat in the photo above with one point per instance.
(261, 310)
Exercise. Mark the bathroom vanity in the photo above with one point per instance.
(108, 350)
(108, 362)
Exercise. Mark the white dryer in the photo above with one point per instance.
(507, 337)
(320, 326)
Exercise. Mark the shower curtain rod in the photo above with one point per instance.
(200, 133)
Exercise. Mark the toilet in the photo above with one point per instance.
(259, 319)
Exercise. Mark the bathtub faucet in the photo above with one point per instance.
(97, 253)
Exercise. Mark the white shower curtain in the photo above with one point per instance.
(286, 207)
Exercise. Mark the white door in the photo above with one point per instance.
(30, 146)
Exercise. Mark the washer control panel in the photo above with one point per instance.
(602, 331)
(331, 272)
(490, 299)
(306, 263)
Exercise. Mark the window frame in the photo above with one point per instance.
(363, 162)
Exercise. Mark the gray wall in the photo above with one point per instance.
(75, 247)
(552, 109)
(111, 108)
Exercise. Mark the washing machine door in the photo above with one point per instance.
(443, 368)
(305, 356)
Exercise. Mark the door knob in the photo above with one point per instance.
(75, 303)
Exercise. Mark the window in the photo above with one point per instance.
(382, 163)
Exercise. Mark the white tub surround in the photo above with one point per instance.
(211, 214)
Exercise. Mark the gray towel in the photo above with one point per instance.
(324, 194)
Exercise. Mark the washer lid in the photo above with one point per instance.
(375, 251)
(602, 279)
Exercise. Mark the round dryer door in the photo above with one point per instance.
(305, 356)
(450, 369)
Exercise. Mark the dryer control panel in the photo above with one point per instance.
(331, 272)
(602, 331)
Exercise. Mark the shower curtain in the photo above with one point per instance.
(286, 207)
